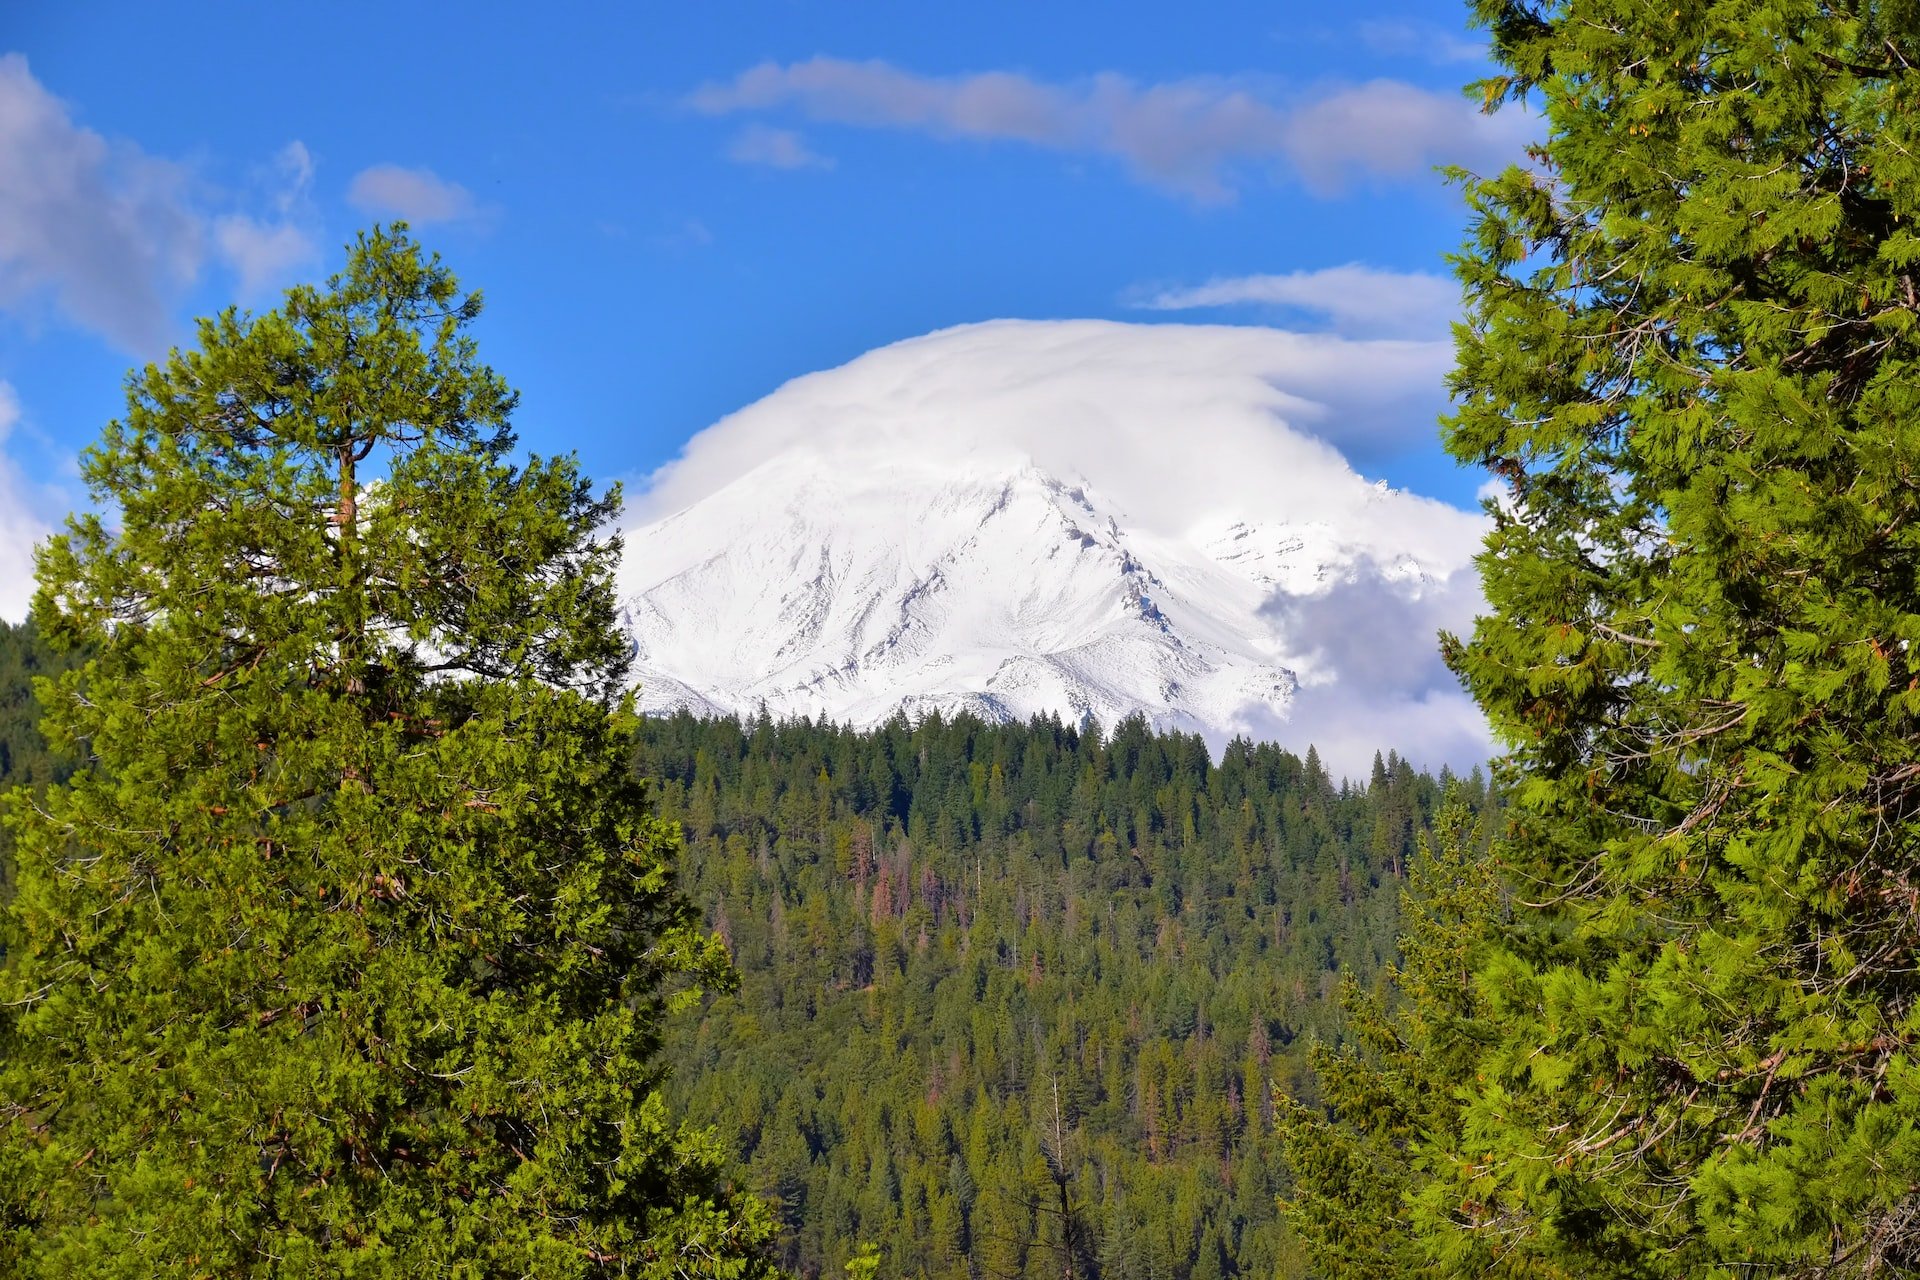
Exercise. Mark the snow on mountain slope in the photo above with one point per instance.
(1073, 517)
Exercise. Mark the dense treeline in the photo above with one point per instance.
(1015, 998)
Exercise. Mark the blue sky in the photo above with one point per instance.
(672, 210)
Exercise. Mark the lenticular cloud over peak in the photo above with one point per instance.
(1080, 517)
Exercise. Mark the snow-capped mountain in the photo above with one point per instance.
(1016, 518)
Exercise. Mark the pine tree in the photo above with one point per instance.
(1691, 354)
(346, 950)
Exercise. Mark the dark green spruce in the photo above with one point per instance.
(1374, 1142)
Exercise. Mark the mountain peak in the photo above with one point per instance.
(1015, 519)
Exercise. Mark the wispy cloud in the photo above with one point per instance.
(1354, 299)
(420, 196)
(1427, 41)
(107, 234)
(1201, 138)
(294, 166)
(266, 252)
(775, 149)
(689, 235)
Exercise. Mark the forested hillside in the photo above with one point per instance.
(1014, 998)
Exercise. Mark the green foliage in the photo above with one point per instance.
(24, 656)
(1389, 1095)
(24, 756)
(865, 1263)
(1014, 999)
(1691, 351)
(346, 950)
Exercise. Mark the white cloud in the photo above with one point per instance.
(265, 252)
(21, 529)
(1355, 299)
(104, 230)
(1429, 42)
(262, 254)
(1185, 429)
(1389, 128)
(775, 148)
(1367, 647)
(1271, 400)
(1196, 137)
(111, 236)
(420, 196)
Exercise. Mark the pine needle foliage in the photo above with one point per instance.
(1362, 1152)
(345, 951)
(1691, 352)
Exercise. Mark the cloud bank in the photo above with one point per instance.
(110, 235)
(1367, 631)
(1055, 390)
(1195, 137)
(1356, 300)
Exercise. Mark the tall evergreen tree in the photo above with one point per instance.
(1691, 353)
(346, 950)
(1389, 1096)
